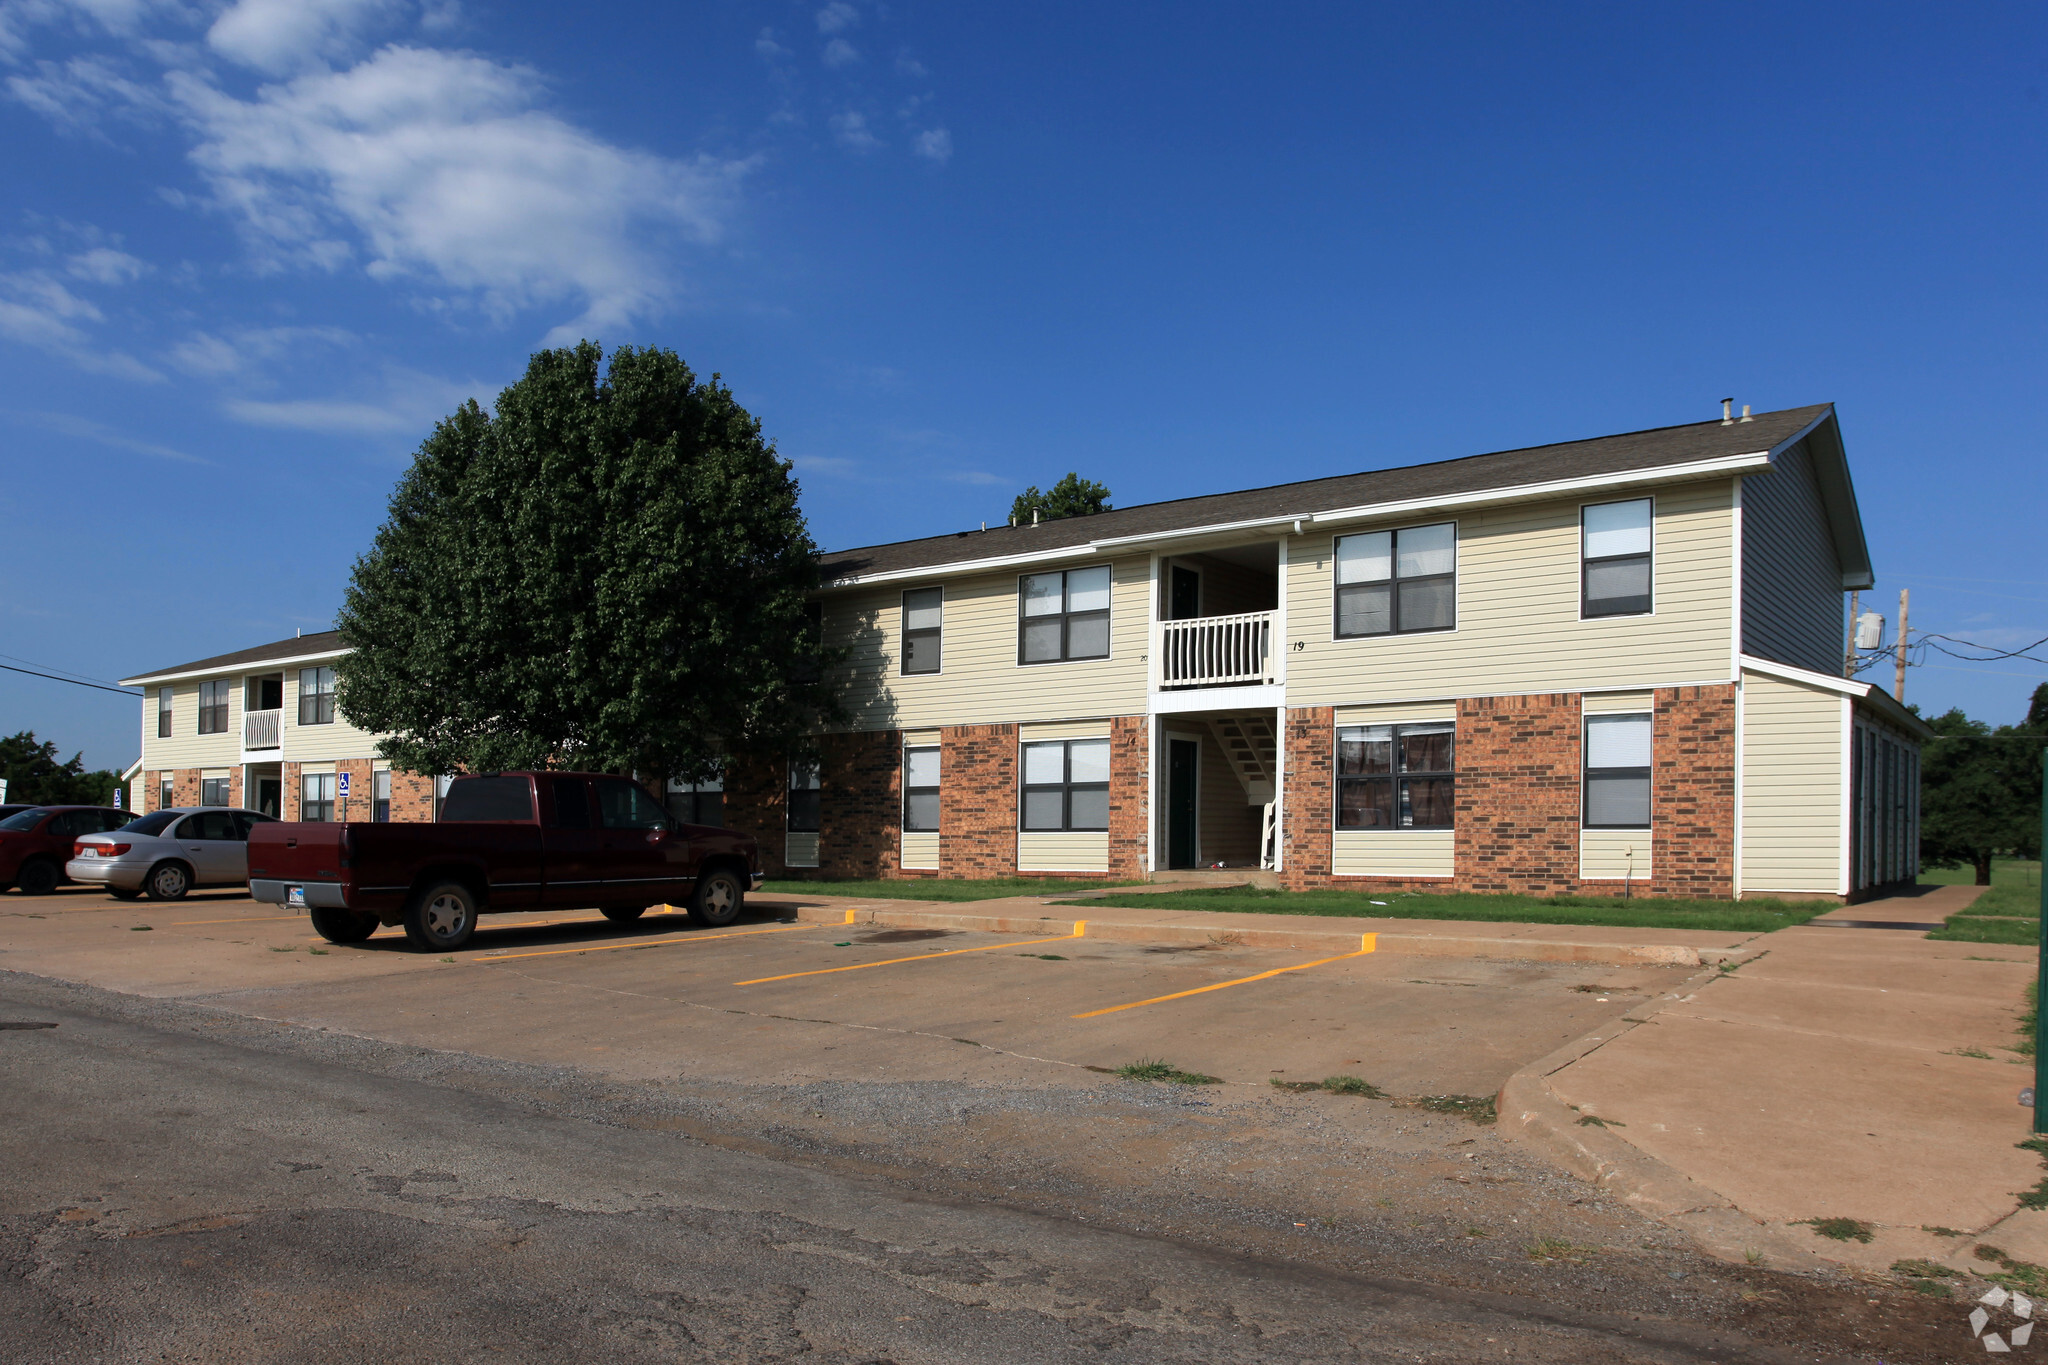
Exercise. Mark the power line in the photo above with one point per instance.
(118, 691)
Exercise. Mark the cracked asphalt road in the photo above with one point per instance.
(181, 1197)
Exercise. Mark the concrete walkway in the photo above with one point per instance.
(1840, 1073)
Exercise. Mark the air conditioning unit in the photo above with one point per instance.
(1869, 630)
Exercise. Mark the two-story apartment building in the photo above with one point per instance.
(1563, 669)
(1573, 668)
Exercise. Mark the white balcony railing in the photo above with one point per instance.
(260, 729)
(1210, 651)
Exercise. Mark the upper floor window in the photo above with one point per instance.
(921, 790)
(697, 803)
(1394, 582)
(316, 696)
(1618, 763)
(1396, 776)
(805, 796)
(213, 707)
(1615, 559)
(1066, 785)
(1063, 616)
(164, 697)
(924, 611)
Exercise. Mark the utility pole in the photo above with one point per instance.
(1899, 674)
(1849, 649)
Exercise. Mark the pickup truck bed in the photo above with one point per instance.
(505, 841)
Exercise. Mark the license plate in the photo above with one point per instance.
(295, 895)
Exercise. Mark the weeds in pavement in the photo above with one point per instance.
(1753, 1255)
(1979, 1053)
(1940, 1231)
(1164, 1071)
(447, 959)
(288, 948)
(1477, 1232)
(1353, 1085)
(1839, 1229)
(1551, 1249)
(1926, 1270)
(1595, 1121)
(1044, 957)
(2015, 1273)
(2030, 1012)
(1478, 1108)
(140, 928)
(2036, 1198)
(317, 952)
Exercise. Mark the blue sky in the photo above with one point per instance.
(250, 252)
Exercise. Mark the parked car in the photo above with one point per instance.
(504, 841)
(35, 841)
(168, 852)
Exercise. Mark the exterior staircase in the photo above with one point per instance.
(1248, 742)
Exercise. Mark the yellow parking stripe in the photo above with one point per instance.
(656, 943)
(1079, 926)
(1366, 944)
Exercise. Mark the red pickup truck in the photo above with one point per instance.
(503, 841)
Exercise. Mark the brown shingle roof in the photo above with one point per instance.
(1626, 453)
(297, 647)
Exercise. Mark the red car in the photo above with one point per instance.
(35, 843)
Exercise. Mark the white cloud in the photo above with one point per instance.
(837, 17)
(839, 52)
(907, 65)
(831, 465)
(77, 95)
(287, 35)
(66, 424)
(403, 401)
(439, 167)
(850, 129)
(934, 144)
(38, 310)
(104, 265)
(204, 353)
(767, 47)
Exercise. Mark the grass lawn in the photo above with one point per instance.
(1759, 916)
(934, 888)
(2009, 911)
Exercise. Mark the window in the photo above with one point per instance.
(476, 800)
(698, 803)
(1396, 776)
(1063, 616)
(316, 696)
(213, 707)
(380, 796)
(163, 712)
(153, 823)
(166, 794)
(316, 796)
(1618, 772)
(1395, 582)
(1066, 785)
(921, 790)
(627, 805)
(213, 826)
(924, 611)
(213, 791)
(572, 802)
(1615, 559)
(804, 796)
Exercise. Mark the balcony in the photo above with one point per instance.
(1214, 651)
(260, 730)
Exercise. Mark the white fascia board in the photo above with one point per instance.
(1770, 668)
(1275, 525)
(252, 666)
(1529, 492)
(128, 773)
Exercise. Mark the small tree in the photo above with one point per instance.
(1072, 496)
(37, 777)
(610, 571)
(1980, 790)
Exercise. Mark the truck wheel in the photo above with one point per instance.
(38, 878)
(337, 925)
(717, 900)
(441, 917)
(622, 914)
(168, 881)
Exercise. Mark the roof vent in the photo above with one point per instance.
(1727, 412)
(1745, 413)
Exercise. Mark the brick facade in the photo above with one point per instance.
(861, 817)
(756, 798)
(978, 801)
(1129, 795)
(1308, 812)
(1692, 792)
(1518, 794)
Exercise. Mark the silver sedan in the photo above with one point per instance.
(167, 852)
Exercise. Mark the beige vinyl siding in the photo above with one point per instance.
(336, 740)
(1062, 851)
(1518, 610)
(922, 739)
(1792, 608)
(1398, 713)
(1394, 853)
(1228, 824)
(920, 850)
(981, 682)
(800, 850)
(1792, 794)
(1603, 854)
(186, 747)
(1227, 589)
(1072, 729)
(1610, 703)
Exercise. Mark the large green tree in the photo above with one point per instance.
(1980, 789)
(36, 776)
(608, 571)
(1072, 496)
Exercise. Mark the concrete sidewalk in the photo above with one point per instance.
(1307, 933)
(1842, 1073)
